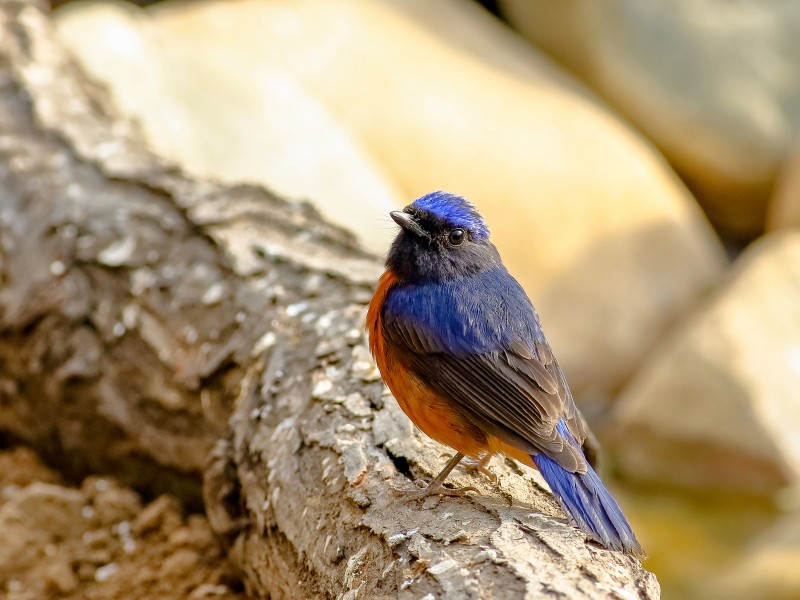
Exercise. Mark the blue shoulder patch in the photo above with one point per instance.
(454, 210)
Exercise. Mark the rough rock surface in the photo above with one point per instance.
(717, 403)
(227, 115)
(99, 541)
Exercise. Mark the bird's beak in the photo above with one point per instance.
(407, 222)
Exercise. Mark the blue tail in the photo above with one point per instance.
(590, 504)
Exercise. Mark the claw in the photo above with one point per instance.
(434, 488)
(481, 466)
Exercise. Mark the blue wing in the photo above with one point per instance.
(478, 342)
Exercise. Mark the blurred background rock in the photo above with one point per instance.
(617, 156)
(714, 84)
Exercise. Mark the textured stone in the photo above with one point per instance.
(230, 115)
(41, 514)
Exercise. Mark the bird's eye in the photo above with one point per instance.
(456, 237)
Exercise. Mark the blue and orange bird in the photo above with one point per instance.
(460, 346)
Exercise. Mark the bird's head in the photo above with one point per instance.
(442, 237)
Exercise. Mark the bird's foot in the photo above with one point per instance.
(434, 488)
(480, 465)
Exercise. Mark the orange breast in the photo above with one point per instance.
(433, 414)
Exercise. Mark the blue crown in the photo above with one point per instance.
(455, 211)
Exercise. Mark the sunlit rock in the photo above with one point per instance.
(717, 405)
(715, 84)
(228, 114)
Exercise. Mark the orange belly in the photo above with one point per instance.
(435, 416)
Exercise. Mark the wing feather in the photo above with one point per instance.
(517, 393)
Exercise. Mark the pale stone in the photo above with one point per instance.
(717, 404)
(715, 84)
(222, 115)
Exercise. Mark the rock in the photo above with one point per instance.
(196, 534)
(768, 569)
(116, 504)
(162, 515)
(589, 218)
(20, 467)
(784, 208)
(59, 578)
(64, 542)
(179, 563)
(715, 84)
(34, 518)
(221, 115)
(717, 404)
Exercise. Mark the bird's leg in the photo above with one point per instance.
(436, 486)
(481, 466)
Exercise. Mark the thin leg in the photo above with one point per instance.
(436, 486)
(481, 466)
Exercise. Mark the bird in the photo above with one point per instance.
(461, 347)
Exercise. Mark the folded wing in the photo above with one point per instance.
(515, 392)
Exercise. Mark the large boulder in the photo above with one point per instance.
(715, 84)
(784, 208)
(767, 570)
(718, 404)
(587, 215)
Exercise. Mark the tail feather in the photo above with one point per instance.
(591, 505)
